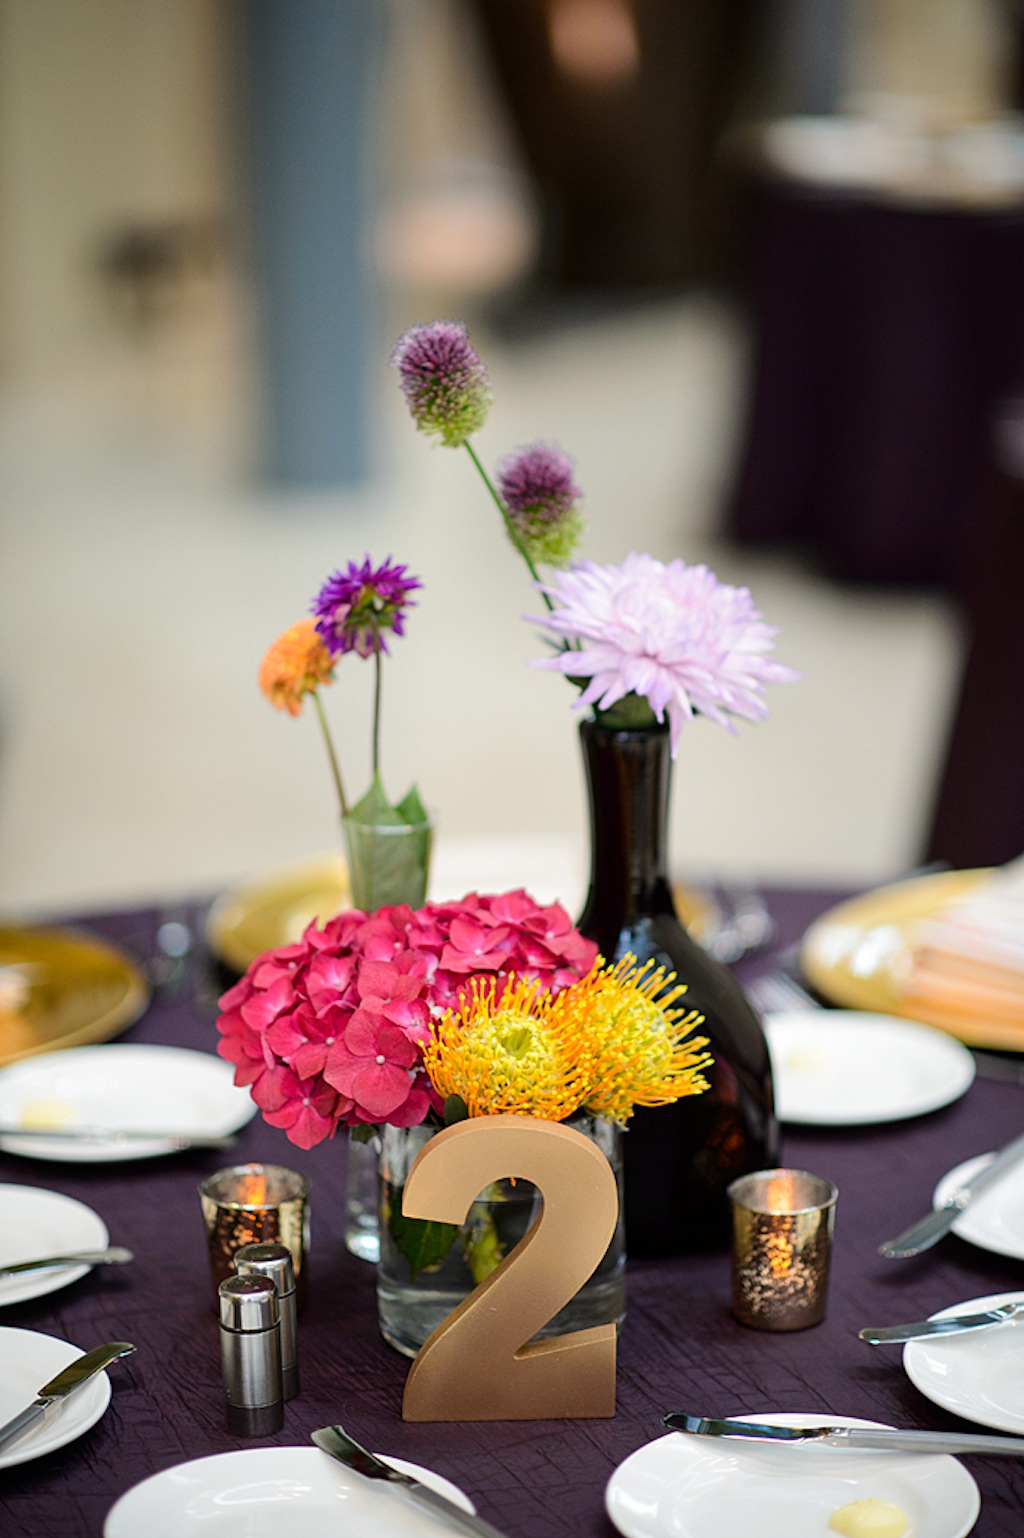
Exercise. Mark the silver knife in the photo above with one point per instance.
(113, 1256)
(886, 1438)
(66, 1383)
(929, 1230)
(335, 1441)
(117, 1135)
(951, 1324)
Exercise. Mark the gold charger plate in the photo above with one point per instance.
(858, 954)
(273, 910)
(63, 988)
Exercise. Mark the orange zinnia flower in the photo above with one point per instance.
(293, 667)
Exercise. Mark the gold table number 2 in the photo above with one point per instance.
(481, 1362)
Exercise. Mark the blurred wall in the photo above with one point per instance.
(109, 121)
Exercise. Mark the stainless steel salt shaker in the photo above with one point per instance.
(250, 1340)
(275, 1262)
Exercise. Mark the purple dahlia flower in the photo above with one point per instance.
(356, 606)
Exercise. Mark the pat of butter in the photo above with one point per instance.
(806, 1060)
(870, 1519)
(46, 1115)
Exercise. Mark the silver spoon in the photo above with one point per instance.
(115, 1255)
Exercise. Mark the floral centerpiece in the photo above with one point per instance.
(408, 1018)
(356, 610)
(648, 645)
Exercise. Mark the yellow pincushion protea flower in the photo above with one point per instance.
(604, 1045)
(520, 1053)
(294, 665)
(643, 1053)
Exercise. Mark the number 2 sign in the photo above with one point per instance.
(481, 1362)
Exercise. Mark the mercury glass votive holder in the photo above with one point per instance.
(255, 1204)
(782, 1226)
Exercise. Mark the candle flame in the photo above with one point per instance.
(780, 1195)
(252, 1190)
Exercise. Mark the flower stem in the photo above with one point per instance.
(377, 676)
(509, 526)
(335, 766)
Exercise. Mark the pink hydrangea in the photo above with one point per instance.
(329, 1031)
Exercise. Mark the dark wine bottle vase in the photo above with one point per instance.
(679, 1159)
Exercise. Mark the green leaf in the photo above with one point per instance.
(374, 808)
(632, 713)
(388, 854)
(455, 1109)
(363, 1134)
(410, 808)
(482, 1248)
(422, 1242)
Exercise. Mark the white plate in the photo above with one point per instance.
(684, 1486)
(980, 1374)
(846, 1068)
(27, 1361)
(274, 1492)
(35, 1223)
(131, 1086)
(995, 1219)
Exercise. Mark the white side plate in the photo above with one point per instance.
(980, 1374)
(34, 1223)
(684, 1486)
(995, 1219)
(27, 1361)
(846, 1068)
(274, 1492)
(133, 1086)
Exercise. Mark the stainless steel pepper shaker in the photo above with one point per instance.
(275, 1262)
(250, 1340)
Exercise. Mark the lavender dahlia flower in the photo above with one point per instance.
(540, 495)
(671, 634)
(356, 606)
(443, 380)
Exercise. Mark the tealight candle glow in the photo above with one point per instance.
(782, 1244)
(254, 1204)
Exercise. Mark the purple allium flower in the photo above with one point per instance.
(356, 606)
(673, 635)
(537, 486)
(444, 382)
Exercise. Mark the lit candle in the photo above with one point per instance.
(782, 1245)
(254, 1204)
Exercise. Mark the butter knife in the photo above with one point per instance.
(60, 1388)
(881, 1438)
(930, 1229)
(950, 1324)
(117, 1135)
(336, 1442)
(115, 1255)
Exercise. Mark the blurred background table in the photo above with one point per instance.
(680, 1347)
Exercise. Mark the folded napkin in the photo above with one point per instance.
(967, 960)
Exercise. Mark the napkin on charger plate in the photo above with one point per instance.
(968, 959)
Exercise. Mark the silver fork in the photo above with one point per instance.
(777, 991)
(747, 924)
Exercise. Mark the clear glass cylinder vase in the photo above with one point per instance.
(388, 863)
(409, 1308)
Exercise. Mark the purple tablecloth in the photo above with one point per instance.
(680, 1347)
